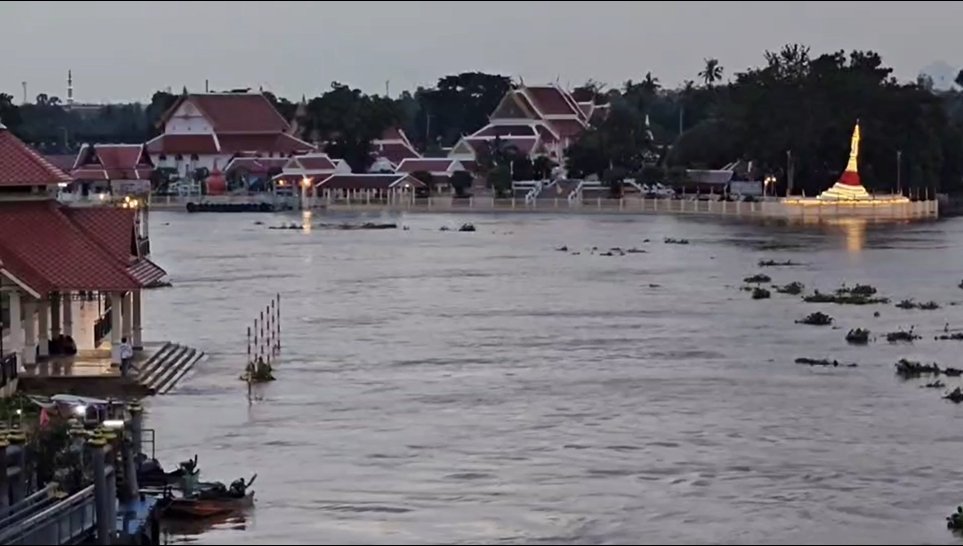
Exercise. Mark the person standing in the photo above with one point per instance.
(126, 355)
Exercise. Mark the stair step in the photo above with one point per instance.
(176, 372)
(187, 366)
(147, 367)
(163, 365)
(173, 370)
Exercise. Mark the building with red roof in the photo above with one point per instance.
(440, 168)
(123, 169)
(537, 120)
(50, 252)
(391, 149)
(209, 129)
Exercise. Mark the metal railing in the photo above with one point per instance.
(8, 369)
(102, 327)
(67, 522)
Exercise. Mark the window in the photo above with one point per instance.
(178, 158)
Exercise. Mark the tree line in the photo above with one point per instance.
(791, 117)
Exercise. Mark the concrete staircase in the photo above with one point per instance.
(161, 372)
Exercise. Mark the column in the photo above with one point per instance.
(29, 355)
(127, 316)
(16, 321)
(115, 326)
(68, 313)
(43, 327)
(137, 342)
(55, 315)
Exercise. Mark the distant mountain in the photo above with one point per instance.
(942, 74)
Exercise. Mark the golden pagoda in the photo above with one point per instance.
(849, 187)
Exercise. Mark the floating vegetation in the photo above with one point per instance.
(908, 369)
(774, 263)
(760, 293)
(910, 304)
(955, 520)
(635, 250)
(902, 335)
(258, 372)
(562, 248)
(757, 278)
(858, 336)
(671, 241)
(844, 298)
(934, 385)
(794, 288)
(960, 285)
(816, 319)
(467, 227)
(858, 290)
(955, 336)
(952, 372)
(956, 396)
(823, 362)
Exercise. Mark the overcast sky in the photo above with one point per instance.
(126, 50)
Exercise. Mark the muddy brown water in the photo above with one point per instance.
(445, 387)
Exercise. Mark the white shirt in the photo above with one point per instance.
(126, 351)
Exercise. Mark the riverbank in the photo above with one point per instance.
(628, 205)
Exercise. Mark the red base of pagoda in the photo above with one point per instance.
(850, 178)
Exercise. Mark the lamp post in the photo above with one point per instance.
(789, 173)
(899, 171)
(305, 184)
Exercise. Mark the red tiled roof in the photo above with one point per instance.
(113, 229)
(526, 104)
(393, 133)
(316, 162)
(429, 164)
(235, 112)
(263, 143)
(21, 165)
(255, 165)
(525, 145)
(182, 144)
(395, 152)
(110, 227)
(546, 134)
(505, 130)
(567, 128)
(112, 162)
(43, 249)
(64, 162)
(551, 101)
(367, 181)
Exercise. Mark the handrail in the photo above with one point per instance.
(36, 525)
(577, 192)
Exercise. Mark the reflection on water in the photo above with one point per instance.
(446, 387)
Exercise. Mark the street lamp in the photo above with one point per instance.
(899, 171)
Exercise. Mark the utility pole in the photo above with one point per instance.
(899, 172)
(789, 173)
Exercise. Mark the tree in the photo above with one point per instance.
(542, 168)
(9, 112)
(712, 72)
(500, 179)
(460, 182)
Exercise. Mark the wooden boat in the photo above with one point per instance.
(194, 507)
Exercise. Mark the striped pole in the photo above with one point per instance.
(279, 320)
(248, 343)
(261, 347)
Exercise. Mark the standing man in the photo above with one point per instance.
(126, 355)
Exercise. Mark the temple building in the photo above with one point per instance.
(52, 255)
(390, 150)
(209, 129)
(536, 120)
(119, 169)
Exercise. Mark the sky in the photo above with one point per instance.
(124, 51)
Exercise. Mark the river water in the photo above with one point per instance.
(446, 387)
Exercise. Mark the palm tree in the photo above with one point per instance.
(712, 72)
